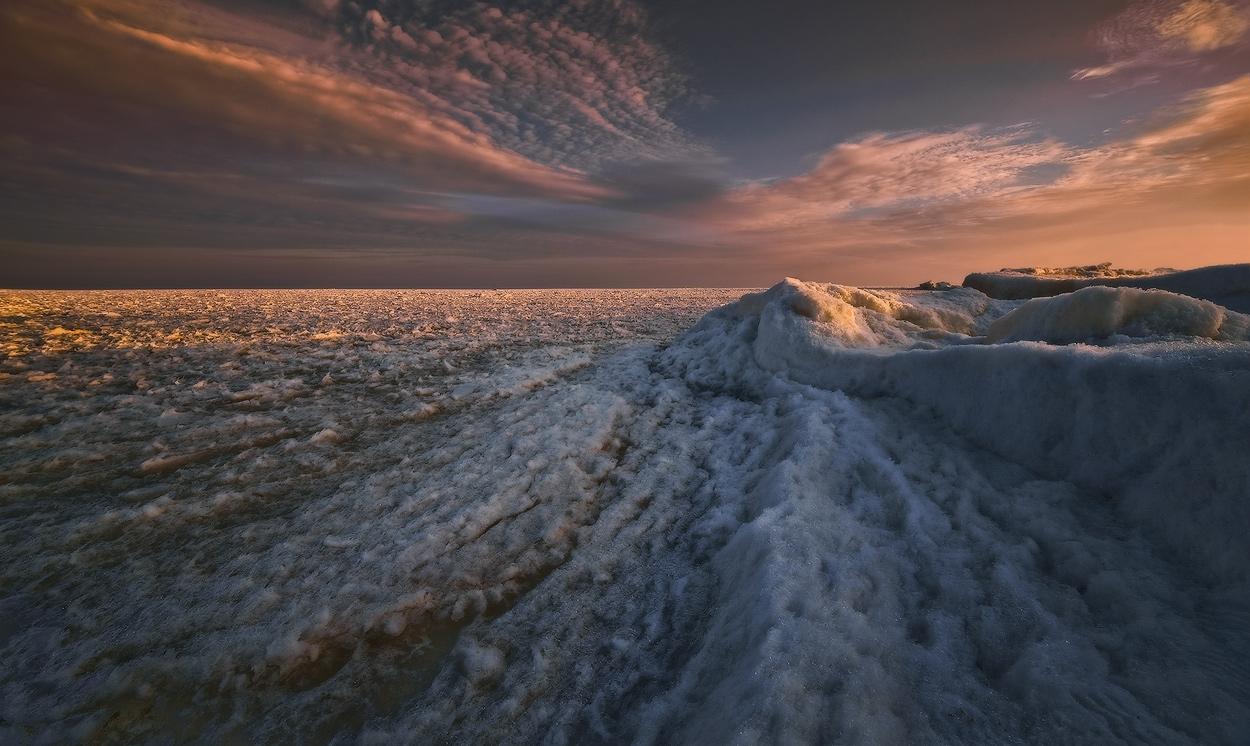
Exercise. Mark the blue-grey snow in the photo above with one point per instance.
(816, 514)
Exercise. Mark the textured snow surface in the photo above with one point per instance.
(821, 514)
(1102, 312)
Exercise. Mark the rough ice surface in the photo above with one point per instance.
(821, 514)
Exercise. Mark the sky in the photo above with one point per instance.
(615, 143)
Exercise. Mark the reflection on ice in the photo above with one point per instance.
(821, 514)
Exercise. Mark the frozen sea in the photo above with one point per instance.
(811, 515)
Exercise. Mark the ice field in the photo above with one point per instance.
(816, 514)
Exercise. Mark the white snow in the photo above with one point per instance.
(1101, 312)
(822, 514)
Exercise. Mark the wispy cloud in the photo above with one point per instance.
(1195, 152)
(167, 113)
(978, 191)
(883, 175)
(1155, 33)
(447, 131)
(567, 84)
(270, 95)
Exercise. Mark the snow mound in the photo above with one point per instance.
(1227, 284)
(1153, 414)
(1103, 312)
(857, 317)
(798, 313)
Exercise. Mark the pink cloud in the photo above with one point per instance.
(1154, 33)
(562, 87)
(302, 100)
(886, 174)
(920, 199)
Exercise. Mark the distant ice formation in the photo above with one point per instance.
(821, 514)
(1227, 285)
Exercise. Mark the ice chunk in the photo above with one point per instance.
(1161, 424)
(1100, 312)
(856, 317)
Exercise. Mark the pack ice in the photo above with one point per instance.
(821, 514)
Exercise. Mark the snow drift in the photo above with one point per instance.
(1152, 411)
(1101, 313)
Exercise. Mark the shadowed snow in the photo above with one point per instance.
(822, 514)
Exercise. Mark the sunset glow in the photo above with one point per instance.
(227, 143)
(638, 372)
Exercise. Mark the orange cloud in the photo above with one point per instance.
(1197, 153)
(1166, 32)
(950, 199)
(1204, 25)
(131, 52)
(883, 174)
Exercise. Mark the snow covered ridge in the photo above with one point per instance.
(1152, 410)
(1228, 285)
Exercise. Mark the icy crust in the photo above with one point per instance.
(855, 317)
(417, 518)
(967, 597)
(1107, 313)
(1227, 285)
(268, 516)
(886, 321)
(1153, 414)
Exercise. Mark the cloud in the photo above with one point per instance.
(185, 123)
(1204, 25)
(534, 132)
(295, 100)
(662, 186)
(1161, 33)
(923, 195)
(1198, 150)
(883, 175)
(567, 84)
